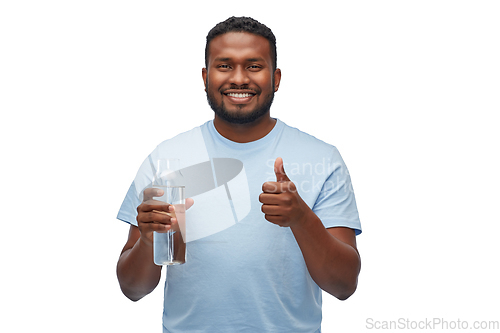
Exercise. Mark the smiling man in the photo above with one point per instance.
(243, 77)
(273, 239)
(240, 80)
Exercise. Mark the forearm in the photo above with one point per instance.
(333, 264)
(136, 271)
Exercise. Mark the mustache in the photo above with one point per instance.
(241, 87)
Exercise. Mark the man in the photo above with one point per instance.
(272, 238)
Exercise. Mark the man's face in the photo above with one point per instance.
(239, 78)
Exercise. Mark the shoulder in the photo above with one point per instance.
(307, 142)
(185, 138)
(188, 146)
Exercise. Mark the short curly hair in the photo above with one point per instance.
(243, 24)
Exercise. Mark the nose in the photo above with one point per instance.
(239, 76)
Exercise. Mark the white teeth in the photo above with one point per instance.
(239, 95)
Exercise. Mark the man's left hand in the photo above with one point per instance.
(280, 200)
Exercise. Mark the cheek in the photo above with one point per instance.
(264, 80)
(216, 79)
(211, 87)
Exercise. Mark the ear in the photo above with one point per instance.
(277, 79)
(204, 73)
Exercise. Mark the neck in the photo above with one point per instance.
(243, 133)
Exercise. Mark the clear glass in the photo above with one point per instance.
(170, 247)
(165, 171)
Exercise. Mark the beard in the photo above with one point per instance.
(240, 118)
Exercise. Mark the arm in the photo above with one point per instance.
(331, 256)
(137, 273)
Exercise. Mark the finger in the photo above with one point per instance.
(269, 199)
(158, 227)
(154, 205)
(155, 217)
(164, 213)
(155, 202)
(150, 193)
(273, 210)
(277, 187)
(271, 187)
(279, 170)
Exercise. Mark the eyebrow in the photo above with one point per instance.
(255, 59)
(222, 59)
(248, 60)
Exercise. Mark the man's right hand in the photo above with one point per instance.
(155, 215)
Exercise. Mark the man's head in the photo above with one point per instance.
(243, 24)
(241, 75)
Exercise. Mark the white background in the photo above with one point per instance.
(407, 90)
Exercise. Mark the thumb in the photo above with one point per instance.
(189, 203)
(279, 170)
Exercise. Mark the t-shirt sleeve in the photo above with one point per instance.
(133, 198)
(336, 204)
(128, 209)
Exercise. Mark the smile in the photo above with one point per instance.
(239, 95)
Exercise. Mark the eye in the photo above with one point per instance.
(223, 67)
(254, 67)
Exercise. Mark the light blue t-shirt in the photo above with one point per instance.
(243, 273)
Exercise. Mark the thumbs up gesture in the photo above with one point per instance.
(280, 200)
(279, 171)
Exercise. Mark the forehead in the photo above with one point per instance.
(239, 45)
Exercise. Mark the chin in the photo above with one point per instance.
(237, 116)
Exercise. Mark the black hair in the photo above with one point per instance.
(243, 24)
